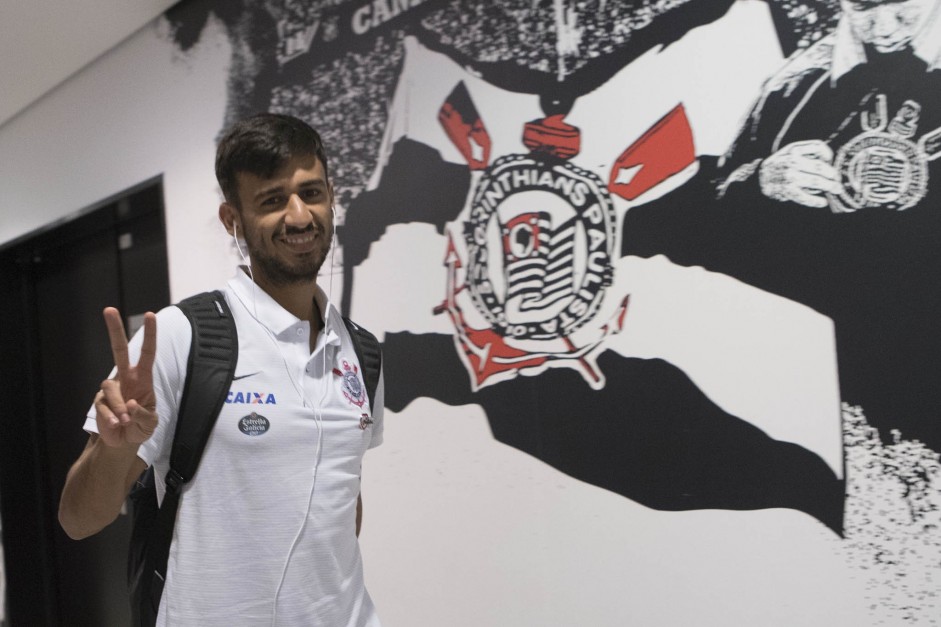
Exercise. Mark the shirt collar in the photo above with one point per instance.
(268, 312)
(848, 51)
(331, 318)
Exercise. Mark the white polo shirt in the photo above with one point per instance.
(265, 533)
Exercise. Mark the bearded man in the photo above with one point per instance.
(267, 532)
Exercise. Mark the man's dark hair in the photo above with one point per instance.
(261, 144)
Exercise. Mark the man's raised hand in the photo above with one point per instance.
(126, 408)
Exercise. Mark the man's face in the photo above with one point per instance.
(287, 221)
(888, 25)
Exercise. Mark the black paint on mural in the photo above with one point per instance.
(649, 435)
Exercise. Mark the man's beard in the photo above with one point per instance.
(280, 273)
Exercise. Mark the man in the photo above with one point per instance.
(829, 197)
(266, 533)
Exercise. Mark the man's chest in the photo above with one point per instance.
(285, 406)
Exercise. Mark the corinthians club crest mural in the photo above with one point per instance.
(684, 251)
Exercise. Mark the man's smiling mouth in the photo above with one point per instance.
(299, 239)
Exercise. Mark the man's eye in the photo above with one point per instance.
(271, 201)
(311, 194)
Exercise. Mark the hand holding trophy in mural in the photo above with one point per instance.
(125, 405)
(800, 172)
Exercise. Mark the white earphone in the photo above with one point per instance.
(317, 409)
(235, 238)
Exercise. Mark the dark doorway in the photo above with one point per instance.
(54, 352)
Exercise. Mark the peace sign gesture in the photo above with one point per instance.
(126, 408)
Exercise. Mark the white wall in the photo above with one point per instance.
(460, 530)
(140, 111)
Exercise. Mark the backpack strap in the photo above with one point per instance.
(369, 354)
(209, 373)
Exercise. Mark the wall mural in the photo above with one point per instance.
(683, 250)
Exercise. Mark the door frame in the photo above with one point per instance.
(28, 522)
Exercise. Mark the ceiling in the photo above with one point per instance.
(44, 42)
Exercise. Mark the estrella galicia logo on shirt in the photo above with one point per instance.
(353, 388)
(254, 424)
(250, 398)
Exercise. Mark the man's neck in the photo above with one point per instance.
(297, 298)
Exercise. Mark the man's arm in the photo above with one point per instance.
(96, 487)
(98, 482)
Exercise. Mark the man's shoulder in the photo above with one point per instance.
(802, 68)
(171, 319)
(205, 297)
(174, 335)
(185, 309)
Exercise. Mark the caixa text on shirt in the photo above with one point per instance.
(250, 398)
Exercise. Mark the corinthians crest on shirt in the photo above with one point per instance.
(885, 166)
(353, 389)
(528, 272)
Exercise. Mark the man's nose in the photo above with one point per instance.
(885, 20)
(297, 213)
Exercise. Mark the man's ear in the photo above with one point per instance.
(229, 216)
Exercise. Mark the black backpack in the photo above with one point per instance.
(210, 369)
